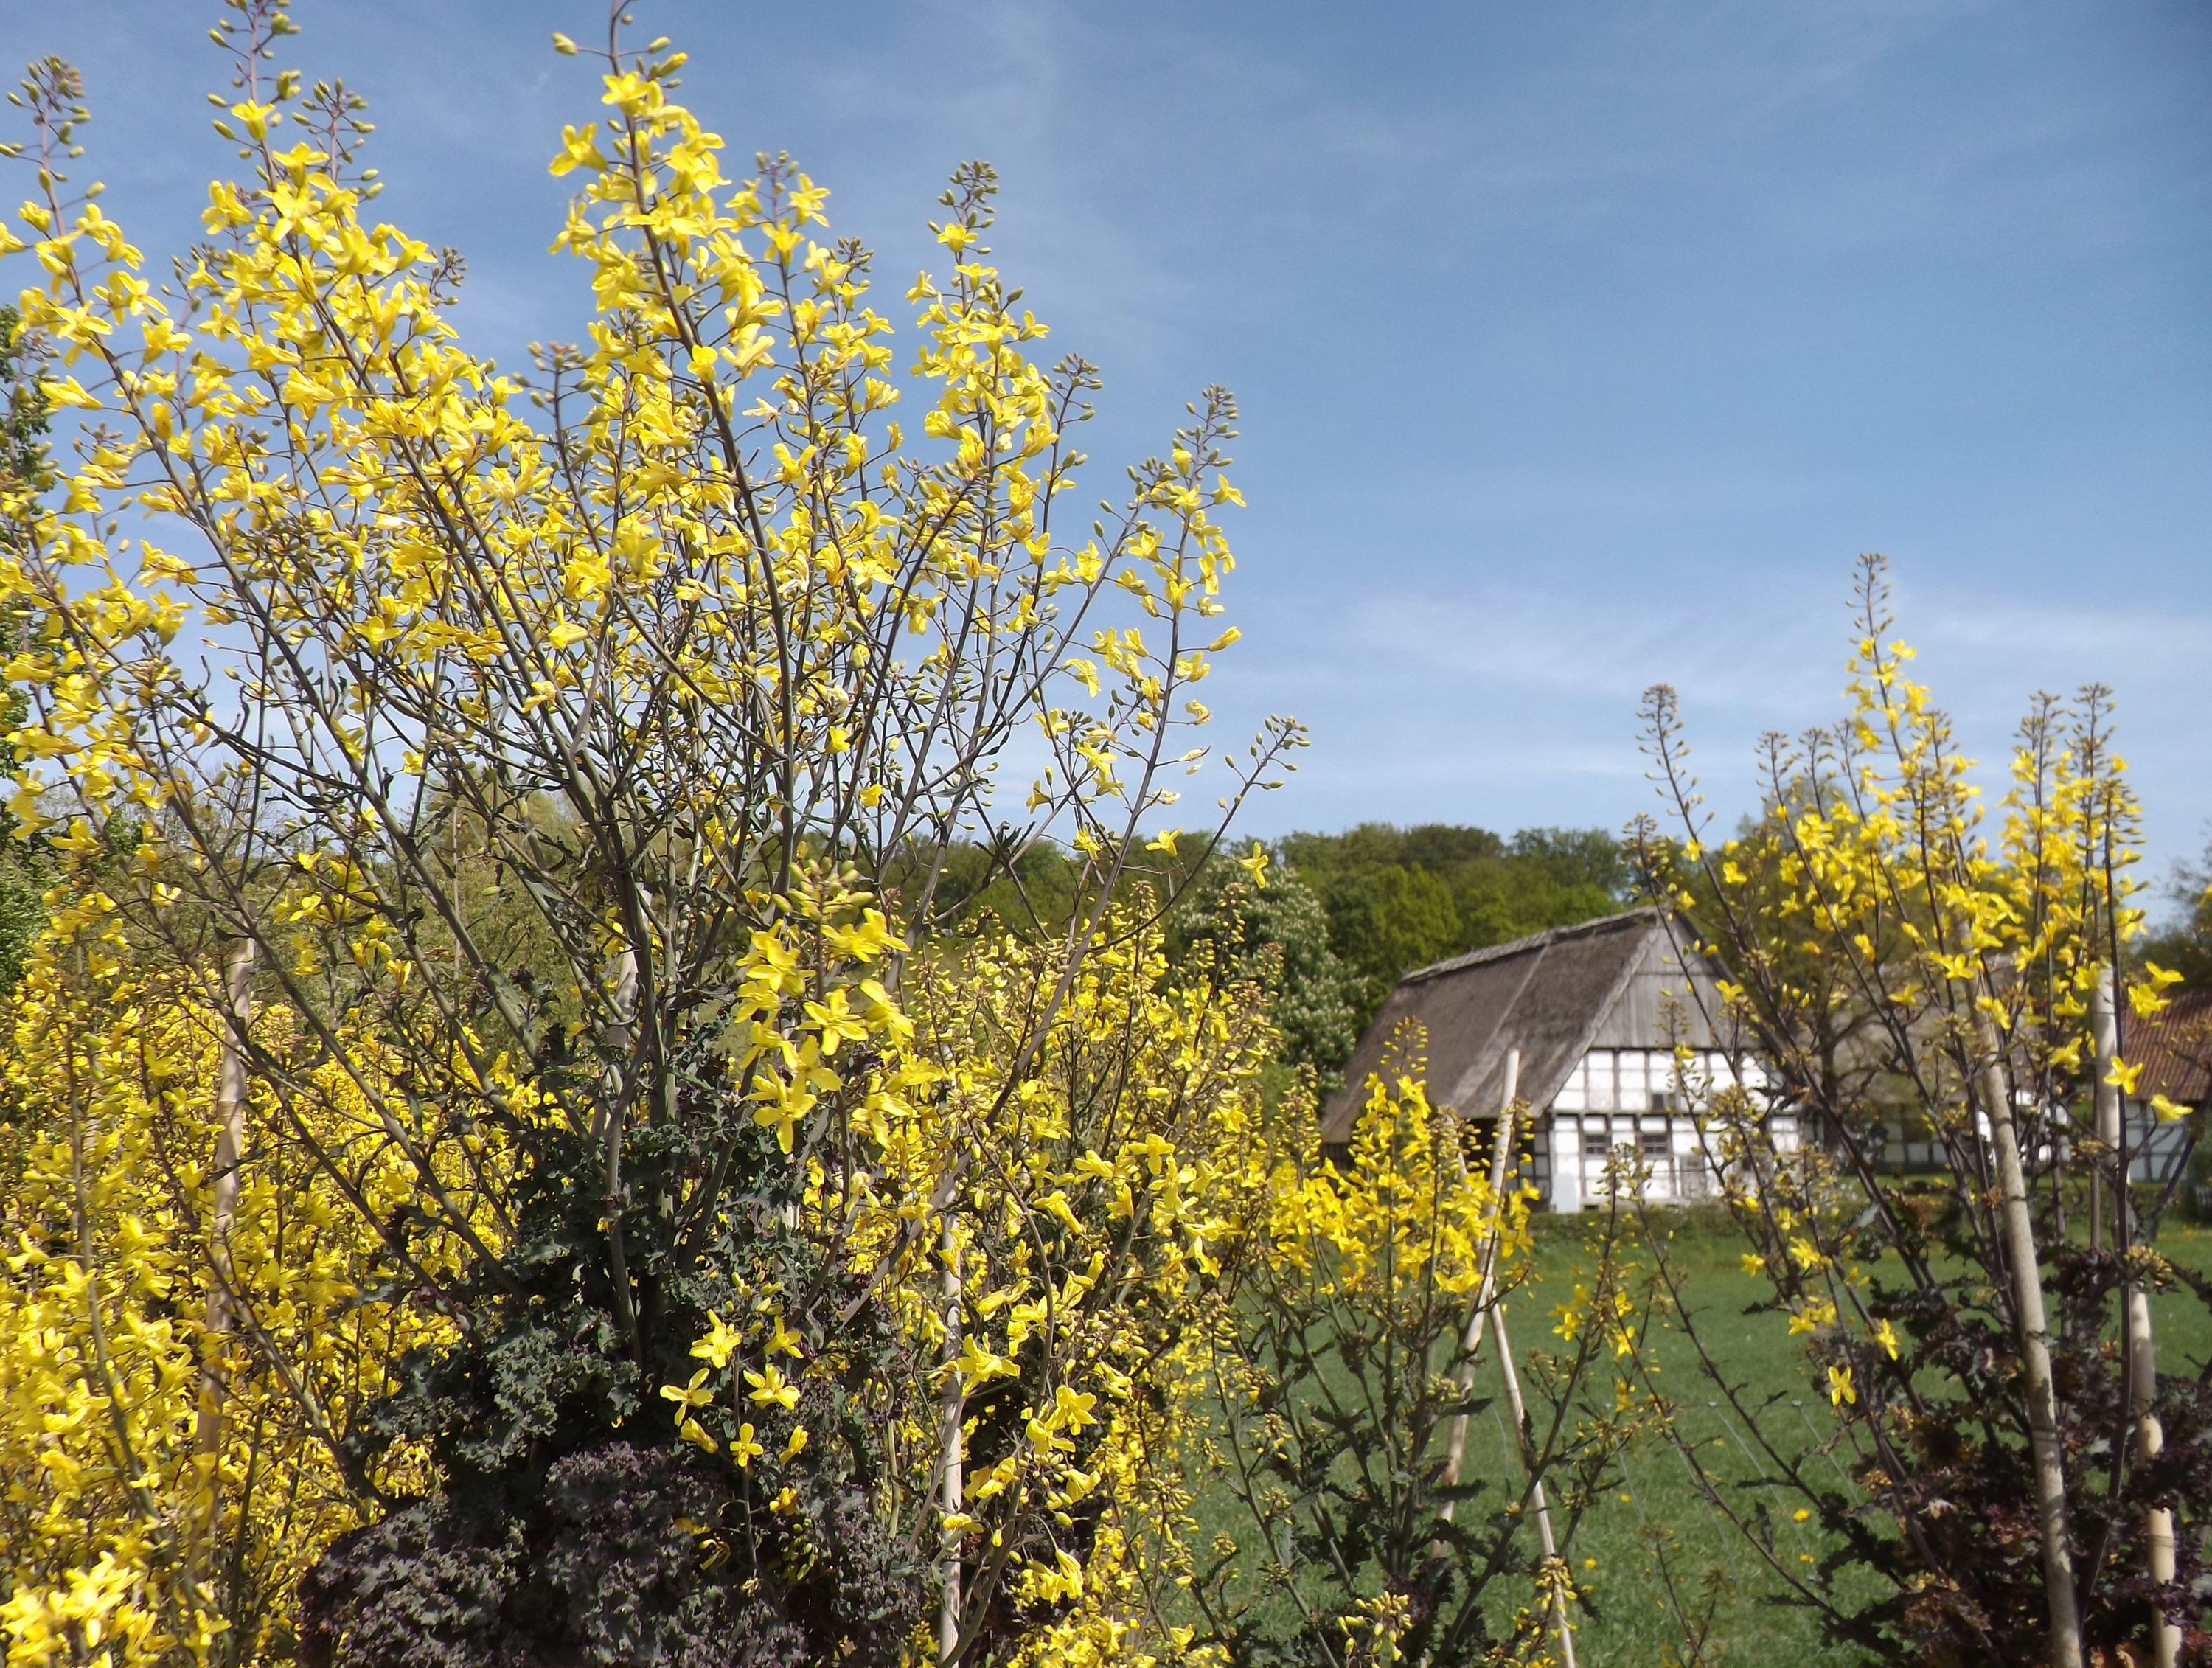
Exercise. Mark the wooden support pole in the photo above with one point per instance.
(2136, 1323)
(2150, 1442)
(952, 1413)
(2104, 1036)
(2033, 1336)
(222, 1213)
(1519, 1410)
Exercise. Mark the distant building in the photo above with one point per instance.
(2173, 1047)
(1589, 1006)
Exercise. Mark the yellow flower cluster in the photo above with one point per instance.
(541, 711)
(171, 1386)
(1909, 973)
(1083, 1189)
(1405, 1217)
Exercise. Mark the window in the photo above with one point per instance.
(1598, 1069)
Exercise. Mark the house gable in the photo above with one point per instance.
(1553, 996)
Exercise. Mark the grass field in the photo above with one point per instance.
(1635, 1624)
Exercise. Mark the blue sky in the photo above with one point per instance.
(1581, 346)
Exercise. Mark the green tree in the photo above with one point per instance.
(1031, 890)
(1274, 930)
(2184, 945)
(1545, 877)
(1384, 921)
(1398, 899)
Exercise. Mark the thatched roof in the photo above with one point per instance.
(1554, 996)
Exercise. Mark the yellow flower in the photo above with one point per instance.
(720, 1343)
(868, 941)
(796, 1445)
(1072, 1409)
(691, 1432)
(836, 1022)
(1814, 1315)
(693, 1395)
(977, 1365)
(745, 1450)
(783, 1340)
(771, 1388)
(1839, 1387)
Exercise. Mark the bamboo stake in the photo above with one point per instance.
(1485, 1303)
(2141, 1345)
(2150, 1442)
(229, 1146)
(1500, 1157)
(2035, 1354)
(2104, 1034)
(1515, 1406)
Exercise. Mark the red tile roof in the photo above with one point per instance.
(2173, 1048)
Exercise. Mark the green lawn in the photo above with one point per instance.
(1635, 1622)
(1614, 1554)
